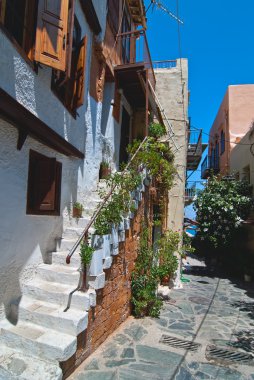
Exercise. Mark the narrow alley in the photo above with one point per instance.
(205, 332)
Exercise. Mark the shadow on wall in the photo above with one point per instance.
(26, 239)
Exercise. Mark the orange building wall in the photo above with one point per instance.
(235, 116)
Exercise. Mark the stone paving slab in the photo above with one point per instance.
(207, 311)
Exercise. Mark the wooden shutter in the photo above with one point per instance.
(45, 184)
(69, 38)
(51, 33)
(79, 87)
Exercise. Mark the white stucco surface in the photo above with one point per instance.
(26, 239)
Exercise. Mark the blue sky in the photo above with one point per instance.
(218, 39)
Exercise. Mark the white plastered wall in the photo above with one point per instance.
(25, 240)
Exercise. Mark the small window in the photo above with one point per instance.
(17, 17)
(222, 142)
(44, 185)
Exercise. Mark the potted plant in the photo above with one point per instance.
(105, 170)
(77, 210)
(86, 254)
(101, 238)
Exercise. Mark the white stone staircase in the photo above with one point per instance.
(46, 334)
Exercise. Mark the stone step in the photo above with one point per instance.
(57, 293)
(97, 282)
(49, 315)
(63, 274)
(79, 222)
(66, 244)
(59, 258)
(17, 365)
(73, 232)
(38, 341)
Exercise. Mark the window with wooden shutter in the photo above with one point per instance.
(79, 87)
(70, 90)
(44, 185)
(17, 20)
(51, 33)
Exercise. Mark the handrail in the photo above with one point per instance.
(165, 64)
(93, 218)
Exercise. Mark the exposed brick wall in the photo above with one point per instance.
(114, 300)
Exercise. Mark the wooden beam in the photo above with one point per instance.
(21, 138)
(16, 114)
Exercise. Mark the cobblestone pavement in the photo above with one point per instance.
(205, 331)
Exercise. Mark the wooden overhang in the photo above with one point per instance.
(128, 80)
(137, 11)
(91, 15)
(131, 78)
(28, 124)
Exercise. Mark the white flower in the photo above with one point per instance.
(205, 229)
(227, 228)
(219, 227)
(223, 236)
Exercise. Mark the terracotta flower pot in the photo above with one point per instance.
(165, 280)
(77, 212)
(104, 172)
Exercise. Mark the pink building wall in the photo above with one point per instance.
(234, 117)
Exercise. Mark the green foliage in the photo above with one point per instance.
(187, 243)
(157, 130)
(158, 159)
(104, 165)
(168, 245)
(151, 267)
(221, 208)
(120, 201)
(78, 206)
(86, 253)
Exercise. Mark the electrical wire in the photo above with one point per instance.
(231, 142)
(180, 56)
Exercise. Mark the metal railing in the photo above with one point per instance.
(167, 64)
(84, 234)
(210, 163)
(195, 142)
(135, 49)
(191, 189)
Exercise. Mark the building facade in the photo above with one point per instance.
(75, 91)
(233, 120)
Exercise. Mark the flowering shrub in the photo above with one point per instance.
(221, 207)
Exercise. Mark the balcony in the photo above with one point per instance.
(191, 189)
(195, 149)
(135, 74)
(210, 165)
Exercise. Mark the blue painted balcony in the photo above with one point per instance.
(195, 148)
(210, 165)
